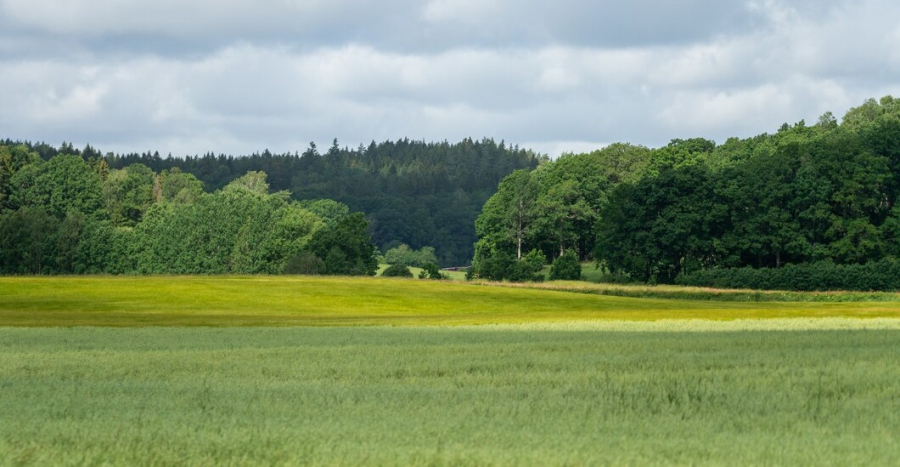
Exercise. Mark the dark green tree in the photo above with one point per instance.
(346, 248)
(565, 268)
(397, 270)
(28, 241)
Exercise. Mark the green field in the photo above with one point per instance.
(228, 371)
(501, 395)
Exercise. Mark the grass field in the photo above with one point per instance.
(266, 371)
(279, 300)
(496, 395)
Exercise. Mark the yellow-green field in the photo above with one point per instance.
(347, 371)
(319, 301)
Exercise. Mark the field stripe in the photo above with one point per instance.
(327, 301)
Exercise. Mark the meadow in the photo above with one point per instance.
(338, 371)
(328, 301)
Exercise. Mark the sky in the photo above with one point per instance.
(186, 77)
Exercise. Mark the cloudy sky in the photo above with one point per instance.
(238, 76)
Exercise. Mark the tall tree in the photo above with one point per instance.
(510, 213)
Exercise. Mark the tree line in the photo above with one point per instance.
(822, 193)
(412, 192)
(71, 215)
(820, 196)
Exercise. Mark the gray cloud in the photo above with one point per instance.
(170, 27)
(237, 76)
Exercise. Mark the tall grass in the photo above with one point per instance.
(495, 395)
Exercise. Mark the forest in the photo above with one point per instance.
(67, 210)
(821, 199)
(766, 211)
(413, 193)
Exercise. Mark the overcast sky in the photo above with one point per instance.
(238, 76)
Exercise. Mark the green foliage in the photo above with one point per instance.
(431, 271)
(346, 248)
(528, 268)
(413, 192)
(506, 220)
(490, 262)
(12, 159)
(819, 276)
(179, 187)
(565, 268)
(254, 182)
(804, 194)
(304, 262)
(622, 162)
(661, 226)
(405, 255)
(498, 265)
(554, 208)
(128, 193)
(64, 183)
(329, 211)
(236, 230)
(28, 241)
(397, 270)
(682, 153)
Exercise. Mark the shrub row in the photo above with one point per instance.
(883, 275)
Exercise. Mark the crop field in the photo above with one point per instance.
(321, 301)
(495, 395)
(265, 371)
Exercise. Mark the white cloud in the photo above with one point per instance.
(558, 148)
(277, 74)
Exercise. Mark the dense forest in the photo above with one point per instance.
(68, 215)
(65, 210)
(775, 210)
(823, 194)
(414, 193)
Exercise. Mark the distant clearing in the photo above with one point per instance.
(329, 301)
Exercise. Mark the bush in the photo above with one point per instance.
(403, 254)
(431, 271)
(566, 268)
(528, 268)
(397, 270)
(881, 275)
(470, 273)
(493, 267)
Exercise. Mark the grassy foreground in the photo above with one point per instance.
(319, 301)
(494, 395)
